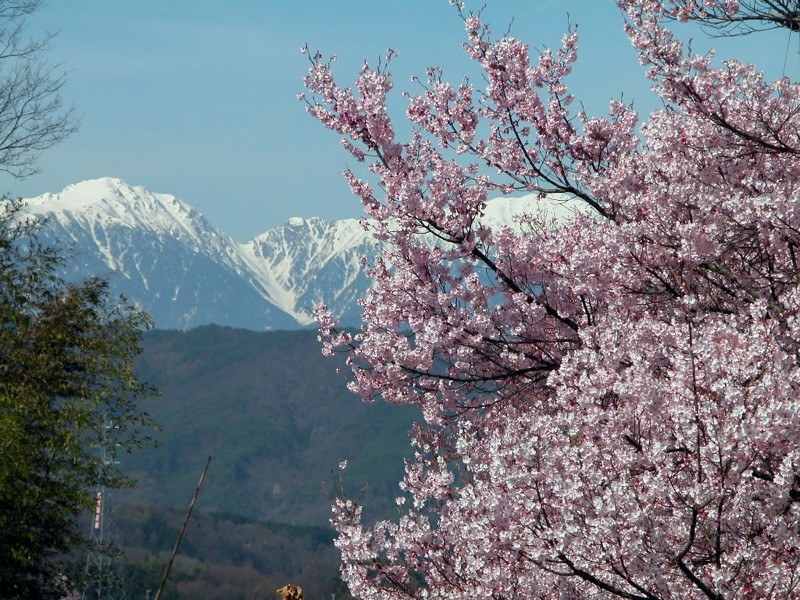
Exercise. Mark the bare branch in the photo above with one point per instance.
(32, 115)
(753, 16)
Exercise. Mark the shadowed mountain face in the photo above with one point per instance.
(162, 254)
(276, 417)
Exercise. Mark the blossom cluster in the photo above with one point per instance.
(610, 406)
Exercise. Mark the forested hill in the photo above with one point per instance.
(276, 417)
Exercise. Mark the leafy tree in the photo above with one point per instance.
(611, 407)
(66, 374)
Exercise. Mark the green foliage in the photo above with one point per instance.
(276, 416)
(224, 556)
(142, 578)
(66, 370)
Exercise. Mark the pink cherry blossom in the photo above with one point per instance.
(611, 405)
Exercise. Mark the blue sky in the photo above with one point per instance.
(197, 97)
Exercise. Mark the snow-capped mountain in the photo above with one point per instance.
(162, 254)
(317, 262)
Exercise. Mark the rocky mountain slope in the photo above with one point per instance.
(162, 254)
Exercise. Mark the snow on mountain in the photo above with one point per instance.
(512, 212)
(99, 205)
(162, 254)
(316, 262)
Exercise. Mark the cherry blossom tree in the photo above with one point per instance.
(611, 405)
(737, 17)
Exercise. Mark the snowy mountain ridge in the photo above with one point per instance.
(162, 254)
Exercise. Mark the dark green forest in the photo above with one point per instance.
(276, 418)
(222, 556)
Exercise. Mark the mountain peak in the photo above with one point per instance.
(164, 256)
(81, 195)
(174, 264)
(111, 199)
(98, 184)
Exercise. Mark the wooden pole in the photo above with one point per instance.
(181, 532)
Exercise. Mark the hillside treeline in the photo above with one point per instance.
(276, 418)
(222, 557)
